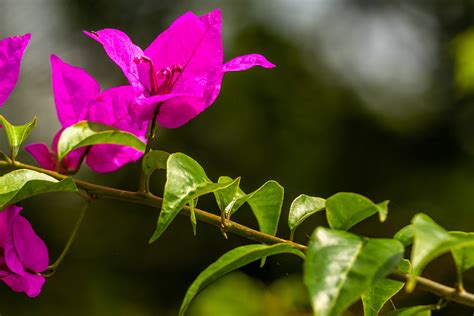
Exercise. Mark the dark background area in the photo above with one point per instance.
(373, 97)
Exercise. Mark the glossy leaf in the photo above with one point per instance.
(463, 257)
(21, 184)
(424, 310)
(341, 266)
(405, 235)
(301, 208)
(379, 294)
(17, 134)
(265, 202)
(344, 210)
(154, 160)
(230, 261)
(185, 181)
(86, 133)
(431, 241)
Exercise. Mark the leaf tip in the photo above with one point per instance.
(154, 237)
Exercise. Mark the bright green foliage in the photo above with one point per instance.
(405, 235)
(344, 210)
(230, 261)
(265, 202)
(22, 183)
(431, 241)
(89, 133)
(404, 266)
(341, 266)
(185, 181)
(301, 208)
(17, 134)
(379, 294)
(154, 160)
(424, 310)
(463, 257)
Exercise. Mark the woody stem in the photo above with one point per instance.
(99, 191)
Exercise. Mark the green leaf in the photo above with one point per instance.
(404, 266)
(185, 181)
(17, 134)
(232, 260)
(431, 241)
(265, 202)
(463, 257)
(379, 294)
(424, 310)
(405, 235)
(227, 197)
(154, 160)
(344, 210)
(341, 266)
(22, 183)
(86, 133)
(301, 208)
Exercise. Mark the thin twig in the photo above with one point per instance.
(52, 268)
(99, 191)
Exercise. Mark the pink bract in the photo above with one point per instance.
(78, 98)
(11, 54)
(24, 255)
(180, 73)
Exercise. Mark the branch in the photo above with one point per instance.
(99, 191)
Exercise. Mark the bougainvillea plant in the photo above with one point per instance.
(174, 79)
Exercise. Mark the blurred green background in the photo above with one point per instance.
(374, 97)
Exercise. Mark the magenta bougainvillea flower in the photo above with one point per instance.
(11, 53)
(179, 75)
(77, 96)
(23, 255)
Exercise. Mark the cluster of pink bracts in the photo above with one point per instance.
(173, 80)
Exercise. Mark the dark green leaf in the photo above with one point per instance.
(230, 261)
(185, 181)
(20, 184)
(154, 160)
(89, 133)
(405, 235)
(424, 310)
(431, 241)
(17, 134)
(379, 294)
(341, 266)
(344, 210)
(301, 208)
